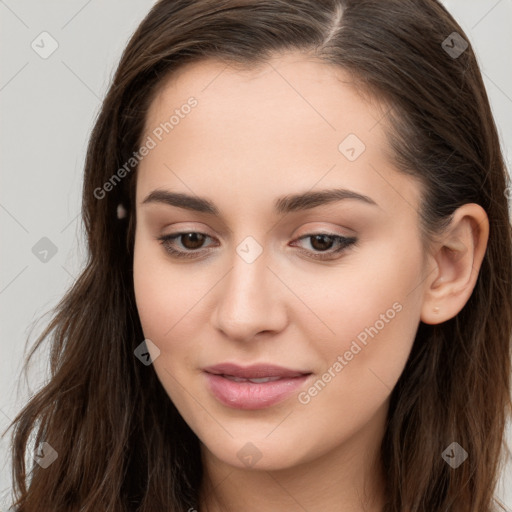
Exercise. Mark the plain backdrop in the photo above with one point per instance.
(48, 106)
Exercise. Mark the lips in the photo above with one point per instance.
(253, 387)
(253, 380)
(256, 371)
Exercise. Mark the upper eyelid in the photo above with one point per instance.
(310, 231)
(177, 235)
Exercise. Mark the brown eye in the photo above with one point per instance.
(321, 242)
(323, 245)
(189, 244)
(192, 240)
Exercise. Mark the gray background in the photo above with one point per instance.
(48, 108)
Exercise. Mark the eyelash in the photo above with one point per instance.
(344, 243)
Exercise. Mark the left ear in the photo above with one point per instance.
(455, 260)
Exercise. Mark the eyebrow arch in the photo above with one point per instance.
(285, 204)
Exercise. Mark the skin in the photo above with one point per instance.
(255, 135)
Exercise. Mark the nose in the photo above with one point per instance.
(249, 300)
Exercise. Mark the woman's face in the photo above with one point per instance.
(264, 279)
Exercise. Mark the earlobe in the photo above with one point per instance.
(454, 264)
(121, 211)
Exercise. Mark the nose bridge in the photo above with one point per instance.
(248, 300)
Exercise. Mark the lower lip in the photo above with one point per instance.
(249, 395)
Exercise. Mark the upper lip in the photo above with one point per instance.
(254, 371)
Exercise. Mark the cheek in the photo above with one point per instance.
(165, 299)
(364, 297)
(164, 292)
(374, 313)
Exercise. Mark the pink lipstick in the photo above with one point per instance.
(253, 387)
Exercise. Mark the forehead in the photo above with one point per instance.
(288, 123)
(300, 85)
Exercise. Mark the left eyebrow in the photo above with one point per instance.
(307, 200)
(285, 204)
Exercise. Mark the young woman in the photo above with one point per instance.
(298, 293)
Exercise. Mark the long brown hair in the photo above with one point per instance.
(121, 443)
